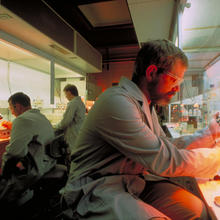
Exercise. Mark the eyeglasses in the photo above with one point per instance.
(177, 80)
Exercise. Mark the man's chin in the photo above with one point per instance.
(163, 102)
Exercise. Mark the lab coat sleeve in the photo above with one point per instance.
(120, 123)
(21, 136)
(68, 116)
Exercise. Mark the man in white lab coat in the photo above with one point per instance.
(73, 116)
(28, 124)
(123, 164)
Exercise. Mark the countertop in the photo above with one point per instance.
(211, 189)
(4, 140)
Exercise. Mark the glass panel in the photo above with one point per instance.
(199, 96)
(23, 71)
(64, 76)
(34, 83)
(4, 90)
(18, 78)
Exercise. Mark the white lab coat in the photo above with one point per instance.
(120, 146)
(24, 127)
(72, 120)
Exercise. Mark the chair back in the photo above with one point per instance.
(57, 148)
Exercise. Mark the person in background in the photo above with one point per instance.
(27, 124)
(73, 116)
(123, 165)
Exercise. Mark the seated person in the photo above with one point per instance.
(28, 123)
(123, 165)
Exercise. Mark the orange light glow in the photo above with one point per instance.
(6, 124)
(211, 189)
(183, 197)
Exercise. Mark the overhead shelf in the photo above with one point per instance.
(55, 38)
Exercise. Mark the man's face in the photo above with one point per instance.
(15, 109)
(167, 84)
(68, 95)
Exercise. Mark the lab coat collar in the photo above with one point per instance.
(134, 91)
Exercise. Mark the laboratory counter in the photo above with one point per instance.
(3, 143)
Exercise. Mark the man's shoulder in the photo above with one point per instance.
(21, 121)
(30, 111)
(116, 93)
(114, 99)
(76, 101)
(32, 115)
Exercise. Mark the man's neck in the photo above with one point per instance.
(24, 109)
(143, 88)
(72, 97)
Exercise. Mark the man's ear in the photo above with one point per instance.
(17, 106)
(151, 72)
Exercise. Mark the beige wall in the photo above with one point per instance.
(99, 82)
